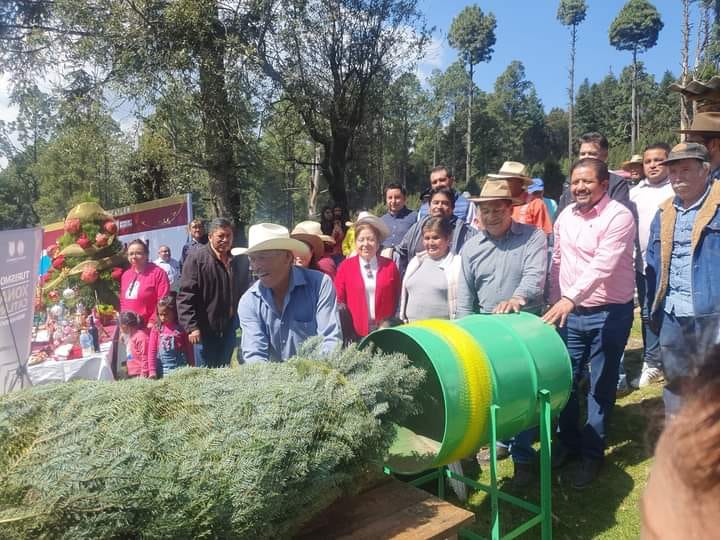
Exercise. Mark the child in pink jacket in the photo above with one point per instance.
(169, 347)
(131, 325)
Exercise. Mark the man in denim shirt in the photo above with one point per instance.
(287, 304)
(683, 254)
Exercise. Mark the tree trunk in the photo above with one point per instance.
(334, 165)
(435, 142)
(217, 137)
(571, 92)
(453, 144)
(633, 104)
(685, 68)
(315, 183)
(468, 150)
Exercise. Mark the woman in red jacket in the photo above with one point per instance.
(367, 284)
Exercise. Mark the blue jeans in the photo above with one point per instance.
(651, 340)
(684, 343)
(598, 336)
(216, 351)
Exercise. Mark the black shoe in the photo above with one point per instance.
(562, 455)
(586, 472)
(524, 475)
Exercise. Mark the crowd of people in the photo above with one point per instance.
(646, 235)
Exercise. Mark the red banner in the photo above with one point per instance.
(138, 218)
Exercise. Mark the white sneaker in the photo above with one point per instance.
(649, 376)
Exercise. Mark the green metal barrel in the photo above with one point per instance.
(471, 364)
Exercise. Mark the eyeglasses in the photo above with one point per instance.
(368, 271)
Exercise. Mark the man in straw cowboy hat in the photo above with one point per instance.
(310, 232)
(705, 130)
(530, 211)
(287, 304)
(634, 168)
(592, 287)
(504, 268)
(683, 255)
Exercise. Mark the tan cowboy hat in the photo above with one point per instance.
(496, 190)
(705, 122)
(513, 169)
(634, 161)
(310, 232)
(377, 224)
(267, 236)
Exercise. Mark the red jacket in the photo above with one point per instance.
(350, 289)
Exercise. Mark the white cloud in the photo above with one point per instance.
(434, 58)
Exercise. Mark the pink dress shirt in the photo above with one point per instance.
(592, 262)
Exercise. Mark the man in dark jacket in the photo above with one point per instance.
(211, 285)
(595, 145)
(198, 239)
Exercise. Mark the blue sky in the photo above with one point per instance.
(527, 30)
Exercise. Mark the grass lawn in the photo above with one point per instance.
(609, 509)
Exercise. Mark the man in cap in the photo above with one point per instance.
(536, 190)
(504, 268)
(211, 284)
(705, 130)
(531, 211)
(287, 304)
(442, 201)
(683, 256)
(440, 177)
(633, 167)
(595, 145)
(592, 287)
(653, 190)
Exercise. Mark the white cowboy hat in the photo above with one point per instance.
(310, 232)
(376, 223)
(267, 236)
(513, 169)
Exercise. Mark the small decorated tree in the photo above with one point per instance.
(87, 260)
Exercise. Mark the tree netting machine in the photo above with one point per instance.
(488, 377)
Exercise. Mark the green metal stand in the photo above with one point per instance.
(542, 514)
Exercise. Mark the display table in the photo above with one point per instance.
(393, 509)
(95, 367)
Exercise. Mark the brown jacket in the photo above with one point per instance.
(667, 217)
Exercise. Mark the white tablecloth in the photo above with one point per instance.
(95, 368)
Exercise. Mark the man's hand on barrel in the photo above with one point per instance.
(515, 304)
(559, 312)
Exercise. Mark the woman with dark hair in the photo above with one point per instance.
(429, 289)
(333, 225)
(143, 284)
(682, 495)
(310, 233)
(367, 284)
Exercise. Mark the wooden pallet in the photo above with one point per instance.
(393, 509)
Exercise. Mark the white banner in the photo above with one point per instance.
(173, 237)
(19, 259)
